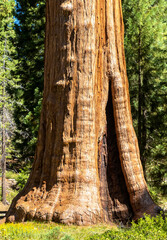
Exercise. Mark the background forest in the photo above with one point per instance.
(22, 25)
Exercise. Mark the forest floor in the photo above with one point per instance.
(151, 229)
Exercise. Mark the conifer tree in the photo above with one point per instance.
(7, 64)
(145, 56)
(29, 42)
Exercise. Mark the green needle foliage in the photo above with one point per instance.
(7, 65)
(145, 45)
(27, 96)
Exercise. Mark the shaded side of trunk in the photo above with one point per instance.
(140, 198)
(114, 195)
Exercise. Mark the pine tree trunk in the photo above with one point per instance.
(144, 129)
(3, 160)
(139, 93)
(87, 167)
(141, 110)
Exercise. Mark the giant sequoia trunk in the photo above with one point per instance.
(87, 166)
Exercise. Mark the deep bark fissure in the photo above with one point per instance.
(113, 191)
(118, 190)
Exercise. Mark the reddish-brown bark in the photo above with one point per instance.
(87, 166)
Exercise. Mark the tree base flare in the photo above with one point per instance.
(70, 214)
(153, 210)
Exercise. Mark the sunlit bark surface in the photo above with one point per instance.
(87, 166)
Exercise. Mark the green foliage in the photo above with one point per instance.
(154, 194)
(27, 95)
(10, 195)
(23, 177)
(7, 65)
(148, 228)
(11, 175)
(145, 47)
(52, 234)
(32, 231)
(56, 234)
(45, 231)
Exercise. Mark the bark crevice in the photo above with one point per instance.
(113, 191)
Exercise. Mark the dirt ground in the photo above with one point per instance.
(3, 207)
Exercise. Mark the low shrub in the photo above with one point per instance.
(22, 177)
(148, 228)
(11, 175)
(10, 195)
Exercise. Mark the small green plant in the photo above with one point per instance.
(148, 228)
(11, 175)
(66, 237)
(23, 177)
(154, 193)
(10, 195)
(52, 234)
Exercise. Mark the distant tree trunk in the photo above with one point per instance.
(144, 128)
(141, 109)
(3, 160)
(139, 92)
(87, 167)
